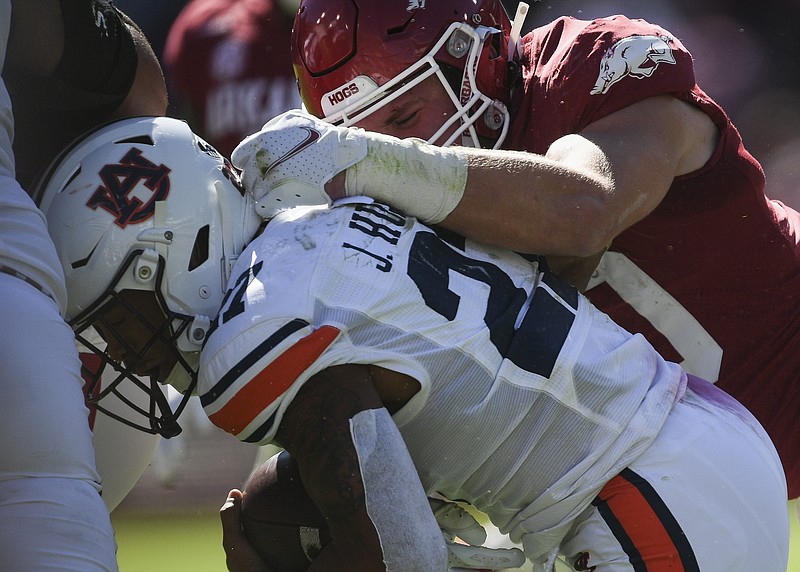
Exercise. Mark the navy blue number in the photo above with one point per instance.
(233, 302)
(535, 345)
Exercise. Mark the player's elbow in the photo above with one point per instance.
(588, 240)
(581, 232)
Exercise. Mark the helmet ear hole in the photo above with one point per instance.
(200, 250)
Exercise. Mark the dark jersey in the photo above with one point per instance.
(711, 276)
(90, 82)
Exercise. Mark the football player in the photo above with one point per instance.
(602, 138)
(395, 362)
(66, 66)
(229, 68)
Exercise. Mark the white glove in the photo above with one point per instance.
(288, 162)
(455, 522)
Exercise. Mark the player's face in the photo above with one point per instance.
(418, 113)
(129, 328)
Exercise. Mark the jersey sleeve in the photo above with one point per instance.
(249, 382)
(580, 71)
(356, 284)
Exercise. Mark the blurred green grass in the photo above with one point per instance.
(190, 542)
(166, 542)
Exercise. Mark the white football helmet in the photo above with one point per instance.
(145, 204)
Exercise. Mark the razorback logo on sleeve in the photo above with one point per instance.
(634, 56)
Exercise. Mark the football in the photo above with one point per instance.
(279, 519)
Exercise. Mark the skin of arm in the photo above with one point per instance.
(37, 42)
(588, 187)
(343, 495)
(148, 94)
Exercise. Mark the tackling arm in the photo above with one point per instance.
(588, 187)
(355, 467)
(572, 201)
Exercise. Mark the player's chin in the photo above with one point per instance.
(156, 370)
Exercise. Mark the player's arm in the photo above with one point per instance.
(41, 32)
(355, 467)
(588, 187)
(148, 94)
(572, 201)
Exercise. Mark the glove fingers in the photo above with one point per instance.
(289, 161)
(455, 521)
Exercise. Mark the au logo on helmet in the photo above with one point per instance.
(120, 180)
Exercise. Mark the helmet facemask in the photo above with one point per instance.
(472, 108)
(353, 57)
(95, 334)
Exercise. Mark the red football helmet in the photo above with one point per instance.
(352, 57)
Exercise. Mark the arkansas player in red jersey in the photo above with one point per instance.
(710, 273)
(229, 68)
(609, 145)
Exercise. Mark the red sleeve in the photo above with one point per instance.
(578, 71)
(182, 52)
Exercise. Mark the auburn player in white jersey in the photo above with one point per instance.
(393, 362)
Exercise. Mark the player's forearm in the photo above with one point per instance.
(528, 203)
(355, 466)
(517, 200)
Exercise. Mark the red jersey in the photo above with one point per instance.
(711, 277)
(230, 62)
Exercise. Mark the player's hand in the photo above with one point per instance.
(457, 525)
(239, 555)
(288, 162)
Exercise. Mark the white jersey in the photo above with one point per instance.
(531, 398)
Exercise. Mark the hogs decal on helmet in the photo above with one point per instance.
(143, 204)
(352, 57)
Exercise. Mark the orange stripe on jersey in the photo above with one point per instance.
(261, 391)
(644, 525)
